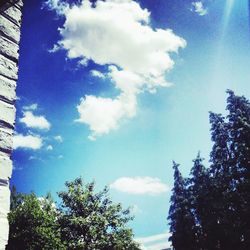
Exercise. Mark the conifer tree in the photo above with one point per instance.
(220, 181)
(182, 222)
(199, 186)
(239, 132)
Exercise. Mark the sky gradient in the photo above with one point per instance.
(110, 93)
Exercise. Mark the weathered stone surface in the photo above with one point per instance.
(8, 68)
(9, 29)
(8, 48)
(4, 199)
(14, 14)
(19, 4)
(10, 22)
(6, 140)
(4, 209)
(7, 114)
(6, 168)
(7, 89)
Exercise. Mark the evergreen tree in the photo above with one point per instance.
(219, 197)
(199, 186)
(221, 183)
(239, 132)
(182, 221)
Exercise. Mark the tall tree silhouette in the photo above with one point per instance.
(239, 132)
(182, 221)
(199, 186)
(215, 203)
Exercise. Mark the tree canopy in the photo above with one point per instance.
(218, 197)
(85, 220)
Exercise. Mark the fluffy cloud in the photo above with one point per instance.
(27, 141)
(33, 121)
(140, 185)
(116, 33)
(154, 242)
(103, 114)
(199, 8)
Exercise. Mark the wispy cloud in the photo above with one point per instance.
(33, 121)
(199, 8)
(33, 106)
(154, 242)
(58, 138)
(139, 55)
(49, 147)
(27, 141)
(140, 185)
(97, 74)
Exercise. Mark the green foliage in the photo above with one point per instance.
(219, 197)
(91, 221)
(33, 223)
(86, 220)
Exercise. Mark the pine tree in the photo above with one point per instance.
(221, 184)
(239, 132)
(218, 199)
(182, 222)
(199, 186)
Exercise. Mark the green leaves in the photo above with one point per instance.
(91, 220)
(33, 223)
(85, 220)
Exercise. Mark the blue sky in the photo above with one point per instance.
(111, 94)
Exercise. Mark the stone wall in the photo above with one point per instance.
(10, 22)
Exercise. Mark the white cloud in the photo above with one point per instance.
(49, 147)
(199, 8)
(140, 185)
(97, 73)
(33, 106)
(103, 114)
(116, 33)
(27, 141)
(154, 242)
(33, 121)
(58, 138)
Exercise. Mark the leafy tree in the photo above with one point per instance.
(33, 223)
(182, 220)
(91, 220)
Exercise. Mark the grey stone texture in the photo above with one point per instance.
(10, 23)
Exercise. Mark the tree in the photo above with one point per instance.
(223, 226)
(91, 220)
(239, 133)
(182, 221)
(220, 197)
(199, 190)
(33, 223)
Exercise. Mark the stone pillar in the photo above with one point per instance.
(10, 22)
